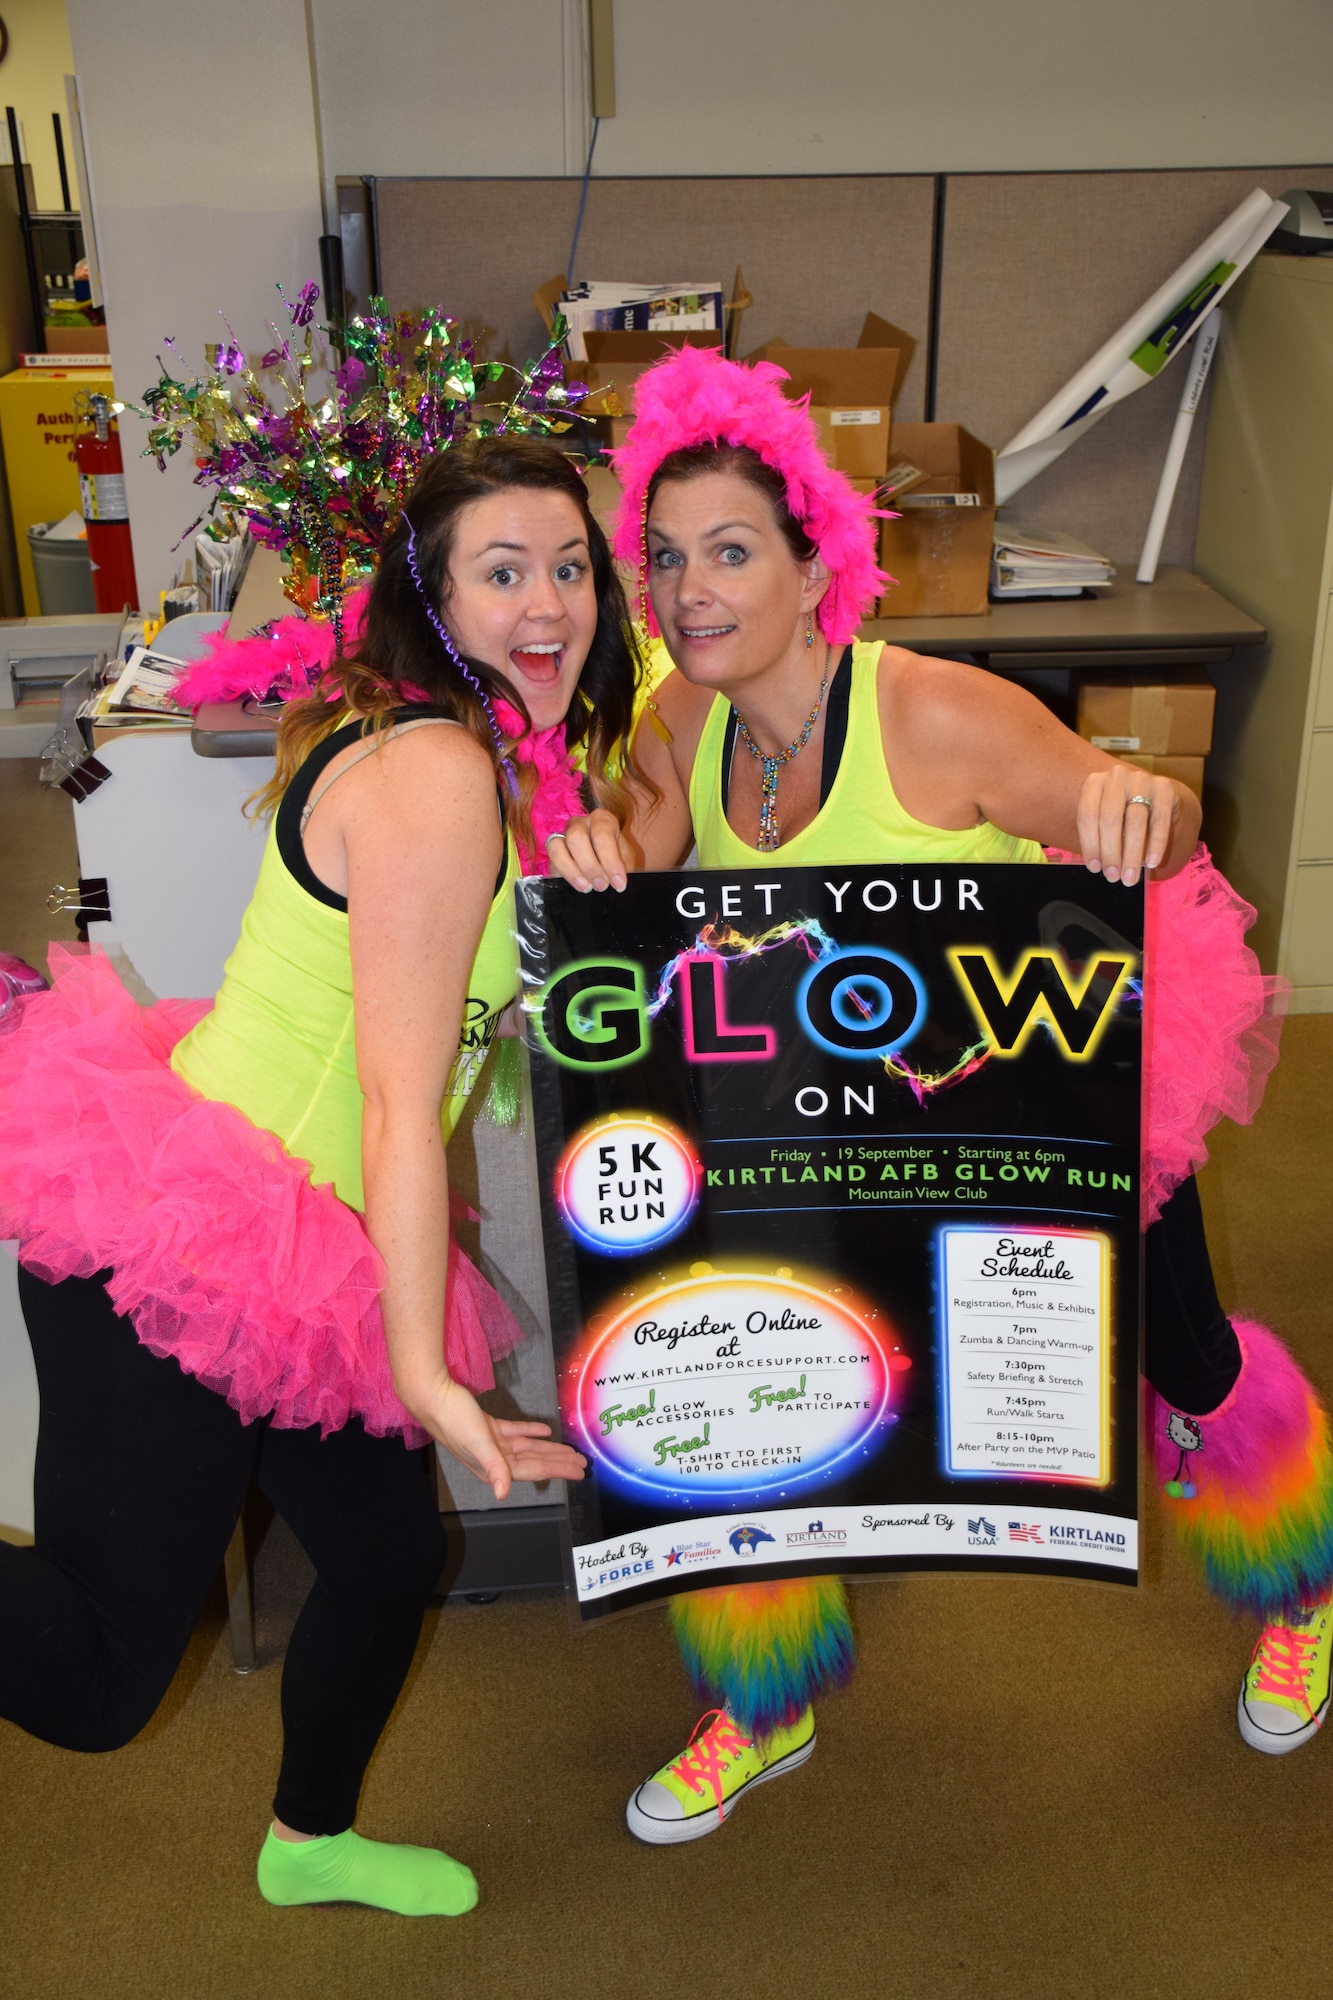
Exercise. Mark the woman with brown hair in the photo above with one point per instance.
(234, 1219)
(780, 733)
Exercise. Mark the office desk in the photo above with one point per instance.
(1177, 622)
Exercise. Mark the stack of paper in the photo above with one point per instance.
(143, 694)
(219, 567)
(608, 306)
(1037, 562)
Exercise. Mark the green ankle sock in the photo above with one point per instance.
(344, 1868)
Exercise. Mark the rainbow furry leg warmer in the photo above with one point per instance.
(1251, 1483)
(766, 1649)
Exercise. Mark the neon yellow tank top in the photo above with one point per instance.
(861, 821)
(280, 1042)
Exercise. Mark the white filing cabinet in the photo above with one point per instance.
(1266, 539)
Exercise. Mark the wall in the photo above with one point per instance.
(206, 190)
(32, 79)
(852, 86)
(207, 160)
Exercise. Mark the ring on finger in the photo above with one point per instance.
(1137, 800)
(553, 836)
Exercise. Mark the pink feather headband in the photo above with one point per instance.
(694, 397)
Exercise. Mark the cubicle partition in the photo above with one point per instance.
(1033, 272)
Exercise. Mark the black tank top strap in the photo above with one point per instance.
(291, 807)
(835, 724)
(837, 708)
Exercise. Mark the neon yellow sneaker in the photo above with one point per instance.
(693, 1795)
(1284, 1696)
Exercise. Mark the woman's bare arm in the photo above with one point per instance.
(423, 844)
(964, 745)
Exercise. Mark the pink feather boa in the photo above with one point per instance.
(287, 660)
(559, 793)
(695, 397)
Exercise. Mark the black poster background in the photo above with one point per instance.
(1080, 1118)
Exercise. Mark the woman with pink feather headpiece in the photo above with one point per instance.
(779, 730)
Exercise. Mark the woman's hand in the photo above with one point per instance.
(1127, 821)
(592, 852)
(497, 1450)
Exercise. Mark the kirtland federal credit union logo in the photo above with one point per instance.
(816, 1535)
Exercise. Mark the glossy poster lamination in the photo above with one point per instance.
(840, 1184)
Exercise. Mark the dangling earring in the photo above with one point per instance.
(643, 564)
(809, 630)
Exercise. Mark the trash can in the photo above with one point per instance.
(64, 573)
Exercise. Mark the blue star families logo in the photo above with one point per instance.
(692, 1552)
(981, 1532)
(746, 1539)
(1025, 1531)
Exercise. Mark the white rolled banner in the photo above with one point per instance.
(1146, 344)
(1201, 360)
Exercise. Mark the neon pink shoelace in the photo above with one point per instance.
(1284, 1656)
(704, 1757)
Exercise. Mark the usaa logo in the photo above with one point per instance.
(981, 1533)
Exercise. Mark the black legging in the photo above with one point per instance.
(1191, 1354)
(141, 1473)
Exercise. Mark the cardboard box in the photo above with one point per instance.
(871, 372)
(1157, 720)
(1189, 770)
(616, 360)
(603, 495)
(76, 339)
(855, 439)
(615, 363)
(852, 391)
(940, 556)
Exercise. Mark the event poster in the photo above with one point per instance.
(840, 1186)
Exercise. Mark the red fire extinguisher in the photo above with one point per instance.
(106, 512)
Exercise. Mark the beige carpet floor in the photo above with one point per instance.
(1032, 1791)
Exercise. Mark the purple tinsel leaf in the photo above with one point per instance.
(303, 311)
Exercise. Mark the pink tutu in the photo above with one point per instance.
(220, 1250)
(1212, 1022)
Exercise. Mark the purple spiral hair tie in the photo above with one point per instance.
(453, 652)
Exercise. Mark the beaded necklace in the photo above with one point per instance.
(769, 836)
